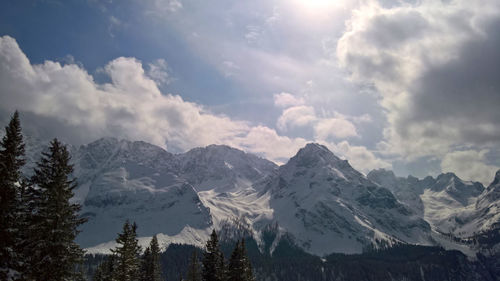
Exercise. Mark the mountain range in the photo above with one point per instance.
(316, 199)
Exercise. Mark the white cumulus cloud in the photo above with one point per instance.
(469, 165)
(64, 101)
(287, 100)
(296, 116)
(334, 128)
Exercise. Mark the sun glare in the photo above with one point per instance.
(318, 4)
(316, 8)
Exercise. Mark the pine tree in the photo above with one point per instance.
(30, 222)
(151, 268)
(145, 264)
(127, 255)
(222, 267)
(24, 238)
(194, 270)
(11, 161)
(239, 268)
(247, 266)
(54, 220)
(235, 267)
(105, 270)
(213, 261)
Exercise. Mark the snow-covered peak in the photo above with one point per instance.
(495, 184)
(105, 141)
(222, 168)
(383, 173)
(314, 154)
(385, 178)
(111, 151)
(445, 179)
(316, 163)
(328, 206)
(461, 191)
(492, 193)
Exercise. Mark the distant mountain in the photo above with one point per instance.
(328, 206)
(121, 180)
(316, 200)
(221, 168)
(449, 204)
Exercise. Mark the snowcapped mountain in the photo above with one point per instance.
(330, 207)
(221, 168)
(487, 209)
(316, 199)
(180, 196)
(121, 180)
(406, 190)
(449, 204)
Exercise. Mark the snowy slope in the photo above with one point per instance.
(120, 180)
(221, 168)
(316, 199)
(406, 190)
(447, 203)
(487, 210)
(330, 207)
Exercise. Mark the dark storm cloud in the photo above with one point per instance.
(389, 32)
(436, 67)
(463, 93)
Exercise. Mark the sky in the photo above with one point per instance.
(411, 86)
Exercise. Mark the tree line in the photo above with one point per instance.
(39, 224)
(127, 264)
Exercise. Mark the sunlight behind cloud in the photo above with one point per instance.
(317, 9)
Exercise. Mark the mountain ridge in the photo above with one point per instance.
(316, 197)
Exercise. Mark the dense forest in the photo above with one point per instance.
(289, 262)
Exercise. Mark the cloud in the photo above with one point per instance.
(334, 128)
(435, 65)
(114, 24)
(166, 5)
(296, 116)
(324, 128)
(64, 101)
(229, 68)
(359, 157)
(265, 141)
(286, 100)
(158, 71)
(470, 165)
(274, 18)
(253, 33)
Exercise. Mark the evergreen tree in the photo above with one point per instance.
(151, 268)
(105, 270)
(194, 270)
(53, 220)
(222, 267)
(11, 161)
(127, 255)
(239, 268)
(23, 229)
(145, 264)
(235, 267)
(247, 265)
(30, 222)
(213, 261)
